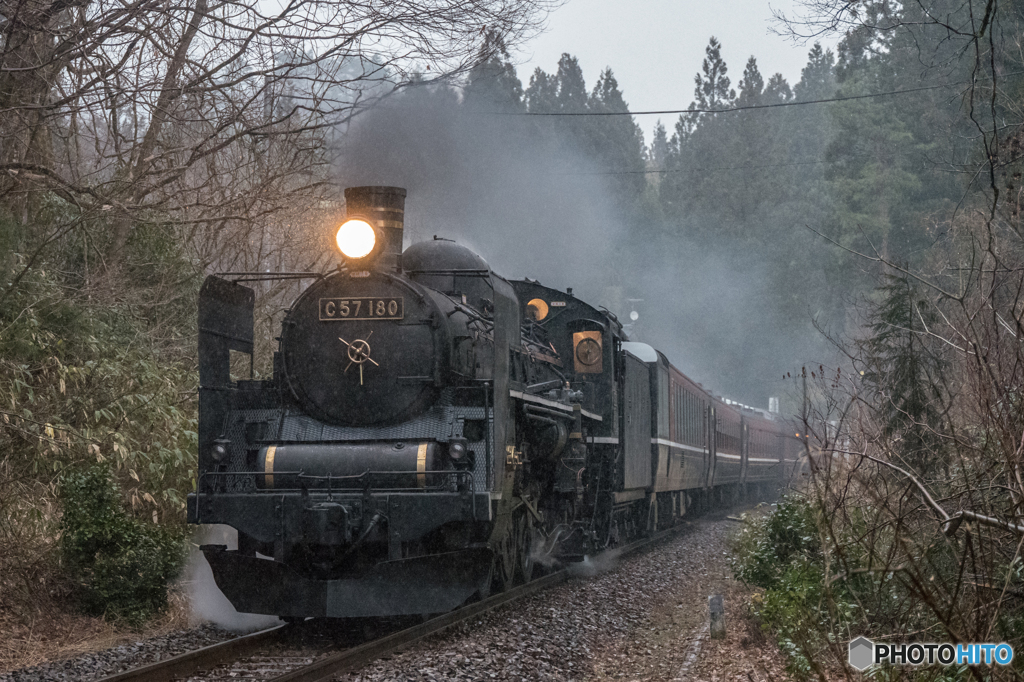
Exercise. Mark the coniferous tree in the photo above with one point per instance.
(801, 265)
(713, 91)
(751, 85)
(542, 93)
(905, 371)
(493, 81)
(572, 88)
(777, 90)
(616, 142)
(697, 145)
(814, 123)
(758, 141)
(874, 159)
(818, 77)
(657, 153)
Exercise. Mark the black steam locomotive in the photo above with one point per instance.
(432, 430)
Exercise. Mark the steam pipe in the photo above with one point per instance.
(543, 420)
(537, 409)
(543, 386)
(366, 532)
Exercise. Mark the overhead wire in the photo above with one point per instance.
(723, 110)
(748, 107)
(706, 168)
(732, 109)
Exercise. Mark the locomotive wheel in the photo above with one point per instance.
(505, 559)
(526, 536)
(487, 589)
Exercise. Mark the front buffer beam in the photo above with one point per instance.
(434, 583)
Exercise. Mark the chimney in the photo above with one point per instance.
(384, 207)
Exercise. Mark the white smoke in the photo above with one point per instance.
(591, 566)
(208, 603)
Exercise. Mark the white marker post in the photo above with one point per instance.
(716, 610)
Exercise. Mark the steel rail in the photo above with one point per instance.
(359, 656)
(192, 662)
(186, 664)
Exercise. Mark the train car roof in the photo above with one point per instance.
(760, 415)
(723, 408)
(690, 383)
(649, 354)
(642, 350)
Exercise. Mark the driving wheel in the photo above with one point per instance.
(528, 540)
(505, 558)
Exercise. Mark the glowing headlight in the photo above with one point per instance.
(356, 238)
(537, 309)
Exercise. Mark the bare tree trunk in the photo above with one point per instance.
(29, 64)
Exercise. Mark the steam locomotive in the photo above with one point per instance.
(432, 430)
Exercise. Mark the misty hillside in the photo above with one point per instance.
(732, 233)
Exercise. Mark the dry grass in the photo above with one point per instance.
(55, 632)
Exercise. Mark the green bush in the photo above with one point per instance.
(770, 545)
(781, 552)
(120, 565)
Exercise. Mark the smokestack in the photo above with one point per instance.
(384, 207)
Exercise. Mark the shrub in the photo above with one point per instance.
(120, 565)
(771, 544)
(781, 552)
(97, 366)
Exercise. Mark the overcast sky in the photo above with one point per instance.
(655, 47)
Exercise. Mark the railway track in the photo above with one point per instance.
(286, 654)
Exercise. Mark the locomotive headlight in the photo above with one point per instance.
(457, 448)
(219, 451)
(356, 238)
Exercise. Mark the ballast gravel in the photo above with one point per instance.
(103, 663)
(635, 619)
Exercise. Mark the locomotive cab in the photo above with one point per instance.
(586, 338)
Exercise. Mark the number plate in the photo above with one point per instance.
(361, 308)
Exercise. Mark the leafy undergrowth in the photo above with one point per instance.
(814, 603)
(780, 552)
(97, 418)
(120, 565)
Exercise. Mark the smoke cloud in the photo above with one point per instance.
(516, 191)
(208, 603)
(500, 185)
